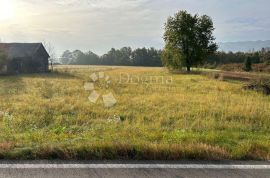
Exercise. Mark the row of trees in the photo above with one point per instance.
(219, 58)
(124, 56)
(152, 57)
(265, 55)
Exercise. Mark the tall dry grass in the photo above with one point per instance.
(192, 117)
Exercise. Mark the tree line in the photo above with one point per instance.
(220, 57)
(152, 57)
(125, 56)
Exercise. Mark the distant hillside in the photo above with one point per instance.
(243, 46)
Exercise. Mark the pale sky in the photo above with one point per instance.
(99, 25)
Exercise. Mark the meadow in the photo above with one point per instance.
(158, 115)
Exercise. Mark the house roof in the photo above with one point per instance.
(19, 50)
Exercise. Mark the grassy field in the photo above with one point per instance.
(182, 117)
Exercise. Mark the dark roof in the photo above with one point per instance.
(19, 50)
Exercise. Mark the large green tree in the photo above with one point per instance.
(189, 40)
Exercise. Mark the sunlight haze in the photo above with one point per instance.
(99, 25)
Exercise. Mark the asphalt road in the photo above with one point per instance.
(119, 169)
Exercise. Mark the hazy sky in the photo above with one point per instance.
(98, 25)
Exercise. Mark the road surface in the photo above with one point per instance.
(119, 169)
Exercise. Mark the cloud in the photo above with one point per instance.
(243, 21)
(101, 24)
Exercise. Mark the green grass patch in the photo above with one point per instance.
(49, 116)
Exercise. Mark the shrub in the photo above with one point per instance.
(259, 85)
(247, 65)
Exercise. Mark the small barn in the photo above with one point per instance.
(16, 58)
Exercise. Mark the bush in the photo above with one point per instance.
(238, 67)
(260, 85)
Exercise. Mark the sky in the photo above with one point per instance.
(99, 25)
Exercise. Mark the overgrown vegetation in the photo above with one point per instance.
(48, 116)
(238, 67)
(259, 85)
(234, 61)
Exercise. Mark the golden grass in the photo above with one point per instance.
(192, 117)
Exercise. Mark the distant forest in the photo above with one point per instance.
(121, 57)
(152, 57)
